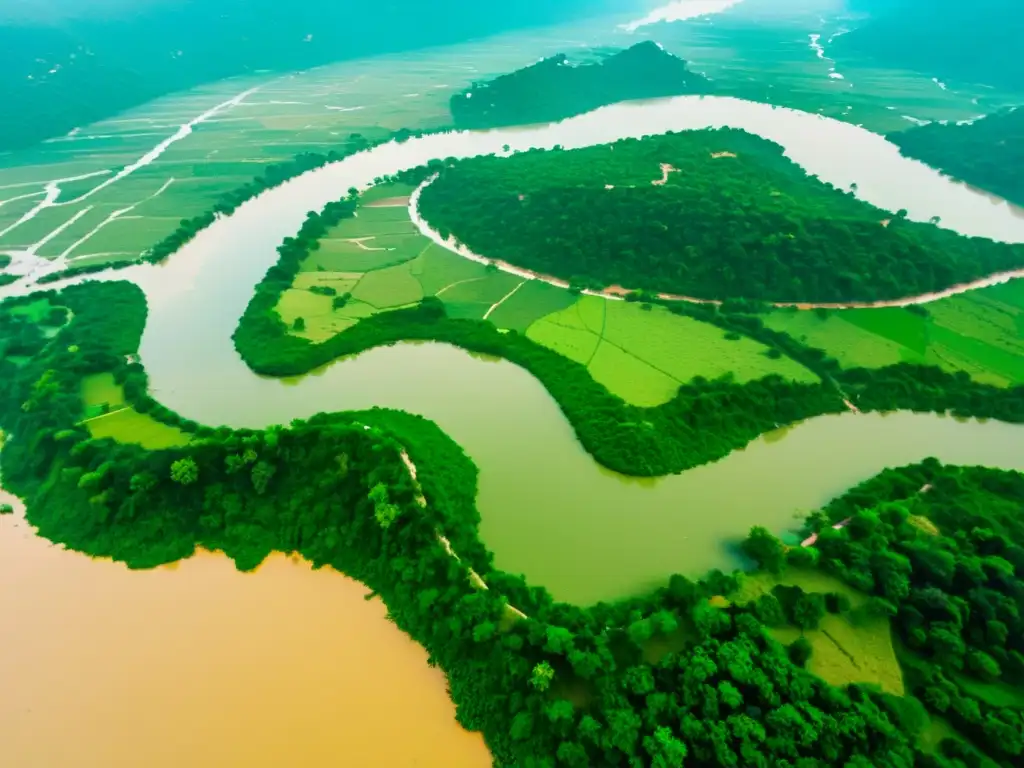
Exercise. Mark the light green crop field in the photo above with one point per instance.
(980, 332)
(438, 270)
(100, 393)
(529, 304)
(666, 350)
(107, 415)
(848, 648)
(131, 427)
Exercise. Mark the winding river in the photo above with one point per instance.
(178, 658)
(549, 511)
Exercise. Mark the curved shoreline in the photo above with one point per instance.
(617, 293)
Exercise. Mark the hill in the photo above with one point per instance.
(554, 89)
(715, 214)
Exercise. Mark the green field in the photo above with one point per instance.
(130, 426)
(107, 415)
(643, 356)
(980, 332)
(852, 647)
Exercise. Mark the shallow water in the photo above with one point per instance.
(200, 665)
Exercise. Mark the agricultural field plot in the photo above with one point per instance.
(980, 332)
(107, 415)
(238, 127)
(666, 350)
(131, 427)
(384, 263)
(852, 647)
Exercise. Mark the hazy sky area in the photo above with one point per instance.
(56, 10)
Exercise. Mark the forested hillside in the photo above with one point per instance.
(975, 42)
(987, 153)
(554, 88)
(62, 68)
(709, 214)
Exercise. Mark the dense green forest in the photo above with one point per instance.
(939, 549)
(703, 422)
(974, 42)
(65, 63)
(555, 684)
(986, 153)
(734, 218)
(554, 88)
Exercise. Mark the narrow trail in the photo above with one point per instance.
(616, 293)
(504, 298)
(474, 577)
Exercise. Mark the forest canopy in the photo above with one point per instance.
(554, 89)
(714, 214)
(986, 153)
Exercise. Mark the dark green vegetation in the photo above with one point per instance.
(735, 218)
(973, 42)
(554, 89)
(553, 685)
(938, 549)
(60, 70)
(987, 153)
(703, 422)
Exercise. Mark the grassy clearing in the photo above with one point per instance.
(321, 321)
(130, 426)
(848, 648)
(998, 694)
(35, 310)
(101, 394)
(530, 303)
